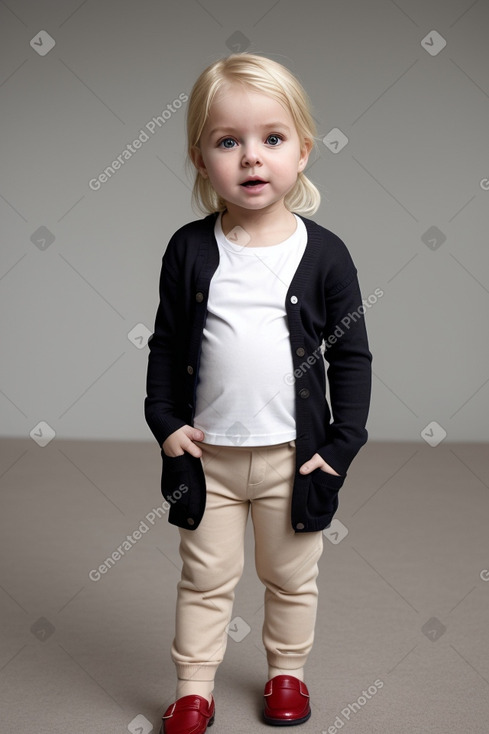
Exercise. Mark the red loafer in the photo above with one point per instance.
(286, 701)
(188, 715)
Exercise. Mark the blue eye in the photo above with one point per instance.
(274, 140)
(224, 143)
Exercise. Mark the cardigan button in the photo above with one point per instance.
(199, 297)
(190, 521)
(300, 352)
(300, 526)
(294, 299)
(304, 393)
(190, 369)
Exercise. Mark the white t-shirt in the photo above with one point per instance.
(242, 396)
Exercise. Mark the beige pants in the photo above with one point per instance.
(237, 479)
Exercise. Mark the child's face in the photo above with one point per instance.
(249, 134)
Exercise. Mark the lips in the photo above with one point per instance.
(251, 182)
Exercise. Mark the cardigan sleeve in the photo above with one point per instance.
(163, 381)
(349, 371)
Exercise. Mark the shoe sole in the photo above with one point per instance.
(286, 722)
(209, 723)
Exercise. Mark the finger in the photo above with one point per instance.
(313, 463)
(193, 450)
(194, 434)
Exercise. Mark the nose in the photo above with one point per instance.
(250, 155)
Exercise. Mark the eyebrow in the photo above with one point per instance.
(273, 125)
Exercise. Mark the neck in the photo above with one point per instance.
(269, 225)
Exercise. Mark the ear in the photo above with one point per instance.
(198, 161)
(305, 150)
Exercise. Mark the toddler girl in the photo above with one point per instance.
(254, 297)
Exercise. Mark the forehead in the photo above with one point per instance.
(240, 103)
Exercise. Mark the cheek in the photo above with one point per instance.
(217, 169)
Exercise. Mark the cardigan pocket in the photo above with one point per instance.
(322, 498)
(183, 487)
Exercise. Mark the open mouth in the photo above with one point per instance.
(254, 182)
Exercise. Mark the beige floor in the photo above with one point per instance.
(404, 600)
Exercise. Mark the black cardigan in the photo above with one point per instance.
(323, 303)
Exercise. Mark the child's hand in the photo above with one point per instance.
(317, 463)
(182, 441)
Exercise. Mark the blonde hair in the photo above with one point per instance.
(261, 75)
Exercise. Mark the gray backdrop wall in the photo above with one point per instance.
(401, 98)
